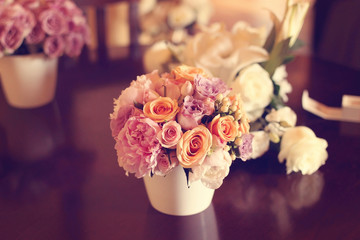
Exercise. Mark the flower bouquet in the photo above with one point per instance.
(253, 62)
(182, 120)
(42, 26)
(33, 35)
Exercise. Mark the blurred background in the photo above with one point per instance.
(330, 30)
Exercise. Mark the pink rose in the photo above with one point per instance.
(164, 164)
(169, 89)
(170, 134)
(23, 18)
(53, 22)
(192, 112)
(29, 4)
(137, 146)
(69, 9)
(11, 37)
(217, 142)
(187, 89)
(74, 44)
(209, 87)
(54, 46)
(83, 29)
(36, 36)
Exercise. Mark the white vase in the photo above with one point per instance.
(28, 81)
(171, 195)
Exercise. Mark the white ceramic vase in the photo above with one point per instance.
(170, 194)
(28, 81)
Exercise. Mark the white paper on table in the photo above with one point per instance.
(349, 111)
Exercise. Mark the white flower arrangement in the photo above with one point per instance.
(253, 63)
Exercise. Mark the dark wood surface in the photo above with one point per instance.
(59, 177)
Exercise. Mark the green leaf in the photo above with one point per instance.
(276, 89)
(298, 44)
(270, 40)
(277, 102)
(277, 56)
(288, 59)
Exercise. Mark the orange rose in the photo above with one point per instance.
(161, 109)
(193, 146)
(185, 73)
(224, 127)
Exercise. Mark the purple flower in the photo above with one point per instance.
(193, 110)
(209, 87)
(245, 148)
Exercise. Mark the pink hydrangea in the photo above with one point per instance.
(137, 146)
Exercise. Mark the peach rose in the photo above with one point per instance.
(193, 146)
(161, 109)
(185, 73)
(224, 127)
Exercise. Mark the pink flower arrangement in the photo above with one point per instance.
(54, 27)
(184, 118)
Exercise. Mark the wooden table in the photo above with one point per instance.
(59, 177)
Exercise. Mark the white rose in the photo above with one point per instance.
(293, 21)
(181, 16)
(284, 114)
(302, 150)
(203, 8)
(260, 144)
(221, 53)
(256, 89)
(213, 170)
(279, 78)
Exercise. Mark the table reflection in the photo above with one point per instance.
(33, 135)
(201, 226)
(280, 196)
